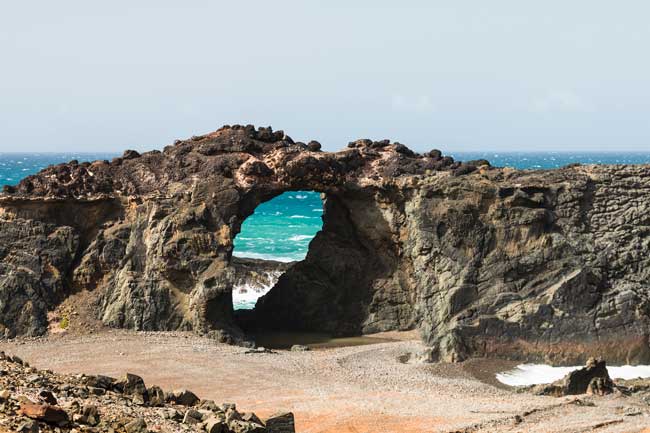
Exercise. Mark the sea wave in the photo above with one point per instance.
(263, 256)
(245, 296)
(535, 374)
(298, 238)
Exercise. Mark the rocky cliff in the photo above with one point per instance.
(535, 265)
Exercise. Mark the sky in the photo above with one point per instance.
(456, 75)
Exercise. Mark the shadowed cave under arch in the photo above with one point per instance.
(331, 289)
(272, 239)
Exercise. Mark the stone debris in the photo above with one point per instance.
(34, 401)
(300, 348)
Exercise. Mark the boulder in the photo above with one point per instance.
(209, 405)
(156, 396)
(89, 415)
(592, 379)
(251, 417)
(183, 397)
(281, 423)
(138, 425)
(594, 373)
(216, 425)
(192, 417)
(100, 381)
(44, 412)
(314, 146)
(134, 386)
(246, 427)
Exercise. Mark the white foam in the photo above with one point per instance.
(300, 217)
(244, 296)
(298, 238)
(535, 374)
(262, 256)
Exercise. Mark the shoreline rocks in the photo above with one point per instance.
(42, 401)
(593, 379)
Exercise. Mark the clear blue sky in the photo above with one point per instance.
(458, 75)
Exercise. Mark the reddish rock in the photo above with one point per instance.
(43, 412)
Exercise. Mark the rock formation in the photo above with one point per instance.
(592, 379)
(254, 277)
(34, 400)
(536, 265)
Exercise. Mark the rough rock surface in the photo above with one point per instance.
(256, 275)
(32, 400)
(536, 265)
(592, 379)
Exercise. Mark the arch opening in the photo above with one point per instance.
(329, 297)
(271, 240)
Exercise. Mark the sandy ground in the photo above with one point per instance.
(363, 389)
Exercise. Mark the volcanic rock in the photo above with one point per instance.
(183, 397)
(281, 423)
(592, 379)
(138, 425)
(535, 265)
(44, 412)
(134, 386)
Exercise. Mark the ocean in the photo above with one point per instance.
(282, 228)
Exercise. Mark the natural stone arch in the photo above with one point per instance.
(533, 265)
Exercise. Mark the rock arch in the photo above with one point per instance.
(536, 265)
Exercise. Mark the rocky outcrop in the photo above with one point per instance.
(593, 379)
(535, 265)
(255, 277)
(33, 400)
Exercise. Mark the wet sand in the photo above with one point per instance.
(355, 389)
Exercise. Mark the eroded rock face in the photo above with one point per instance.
(535, 265)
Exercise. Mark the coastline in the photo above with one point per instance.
(337, 390)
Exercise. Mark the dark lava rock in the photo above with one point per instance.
(134, 386)
(183, 397)
(314, 146)
(156, 396)
(592, 379)
(281, 423)
(47, 397)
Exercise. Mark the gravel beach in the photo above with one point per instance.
(361, 389)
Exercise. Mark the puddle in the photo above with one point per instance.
(284, 340)
(535, 374)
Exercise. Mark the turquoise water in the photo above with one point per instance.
(543, 160)
(282, 228)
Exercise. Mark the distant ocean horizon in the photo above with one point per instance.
(281, 229)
